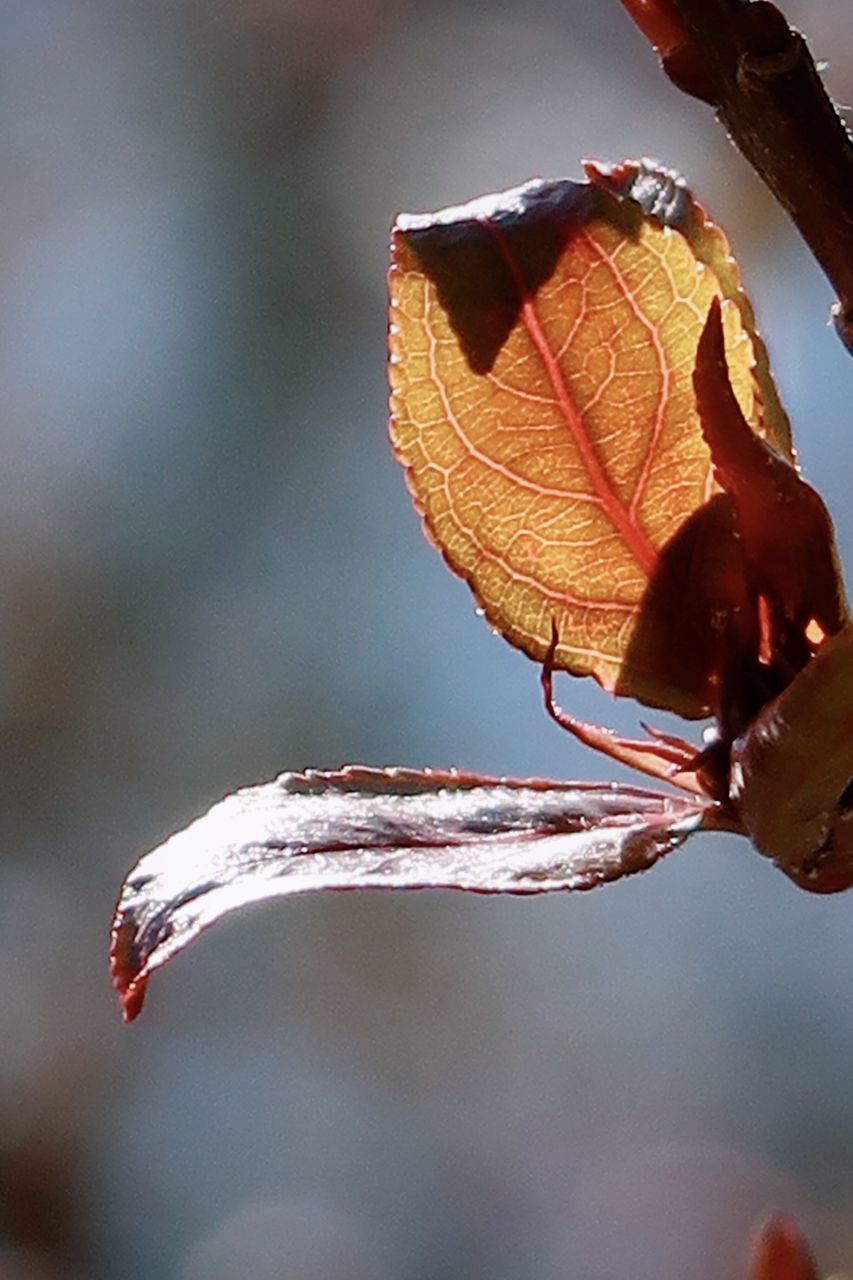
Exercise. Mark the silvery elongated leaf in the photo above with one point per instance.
(362, 828)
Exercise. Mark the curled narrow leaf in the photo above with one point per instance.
(785, 527)
(363, 828)
(543, 342)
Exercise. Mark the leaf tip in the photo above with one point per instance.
(781, 1252)
(128, 979)
(711, 368)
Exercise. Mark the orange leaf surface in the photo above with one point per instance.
(543, 342)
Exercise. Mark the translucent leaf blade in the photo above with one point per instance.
(542, 349)
(663, 195)
(383, 829)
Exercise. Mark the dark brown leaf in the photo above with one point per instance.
(785, 528)
(792, 772)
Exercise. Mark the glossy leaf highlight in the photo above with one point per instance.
(364, 828)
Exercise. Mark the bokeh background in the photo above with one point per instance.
(210, 571)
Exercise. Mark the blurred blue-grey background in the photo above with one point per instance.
(211, 571)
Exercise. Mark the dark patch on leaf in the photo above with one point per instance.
(485, 258)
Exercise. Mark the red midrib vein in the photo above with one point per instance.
(634, 537)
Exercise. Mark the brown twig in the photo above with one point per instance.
(743, 58)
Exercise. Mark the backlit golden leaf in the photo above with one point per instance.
(543, 342)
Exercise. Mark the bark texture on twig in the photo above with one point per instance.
(743, 58)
